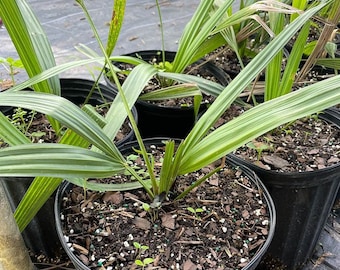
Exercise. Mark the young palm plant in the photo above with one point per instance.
(199, 149)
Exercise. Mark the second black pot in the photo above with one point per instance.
(303, 202)
(161, 121)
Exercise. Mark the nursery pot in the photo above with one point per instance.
(168, 121)
(303, 201)
(333, 115)
(126, 149)
(40, 235)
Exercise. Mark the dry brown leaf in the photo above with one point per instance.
(113, 197)
(168, 221)
(188, 265)
(142, 223)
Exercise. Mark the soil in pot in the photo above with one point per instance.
(223, 224)
(307, 144)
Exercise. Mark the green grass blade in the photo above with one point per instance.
(206, 86)
(117, 113)
(35, 197)
(54, 71)
(329, 63)
(174, 91)
(165, 174)
(196, 32)
(273, 70)
(299, 4)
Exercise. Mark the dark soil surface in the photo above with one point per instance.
(37, 128)
(60, 262)
(307, 144)
(220, 225)
(226, 59)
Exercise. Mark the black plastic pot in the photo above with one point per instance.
(65, 187)
(303, 202)
(175, 122)
(40, 234)
(333, 115)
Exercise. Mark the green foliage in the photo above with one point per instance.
(23, 119)
(145, 262)
(115, 25)
(195, 34)
(139, 250)
(12, 65)
(30, 41)
(36, 54)
(199, 149)
(31, 44)
(131, 161)
(195, 211)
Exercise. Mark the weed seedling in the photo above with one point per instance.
(23, 121)
(195, 211)
(259, 147)
(152, 211)
(144, 263)
(307, 134)
(131, 160)
(139, 248)
(11, 65)
(286, 128)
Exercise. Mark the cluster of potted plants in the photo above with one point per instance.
(173, 202)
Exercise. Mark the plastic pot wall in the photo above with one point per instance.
(303, 202)
(333, 114)
(40, 235)
(126, 149)
(175, 122)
